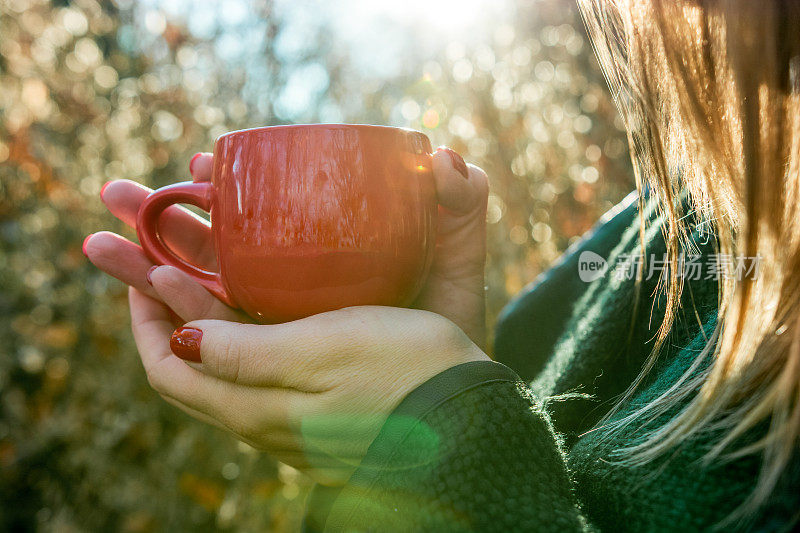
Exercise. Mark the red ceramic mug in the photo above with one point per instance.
(310, 218)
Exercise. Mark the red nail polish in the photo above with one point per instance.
(83, 246)
(150, 271)
(191, 163)
(457, 161)
(185, 343)
(103, 189)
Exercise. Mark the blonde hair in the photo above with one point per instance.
(710, 94)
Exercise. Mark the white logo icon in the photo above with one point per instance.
(591, 266)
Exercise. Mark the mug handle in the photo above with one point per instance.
(199, 194)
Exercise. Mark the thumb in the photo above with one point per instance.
(461, 189)
(246, 354)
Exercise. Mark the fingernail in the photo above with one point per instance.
(456, 159)
(103, 189)
(191, 163)
(83, 246)
(150, 271)
(185, 343)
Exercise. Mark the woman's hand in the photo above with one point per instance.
(183, 231)
(455, 285)
(313, 393)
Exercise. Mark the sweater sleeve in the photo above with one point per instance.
(469, 450)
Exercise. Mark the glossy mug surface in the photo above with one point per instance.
(310, 218)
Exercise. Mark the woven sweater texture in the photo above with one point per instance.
(482, 447)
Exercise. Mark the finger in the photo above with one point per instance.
(275, 441)
(187, 234)
(188, 298)
(201, 165)
(279, 355)
(244, 410)
(460, 189)
(120, 258)
(124, 260)
(194, 413)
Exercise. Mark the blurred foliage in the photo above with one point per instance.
(95, 90)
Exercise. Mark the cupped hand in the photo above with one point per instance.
(314, 392)
(455, 285)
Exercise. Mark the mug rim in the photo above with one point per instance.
(320, 126)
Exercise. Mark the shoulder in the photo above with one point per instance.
(549, 301)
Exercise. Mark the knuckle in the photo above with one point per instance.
(349, 316)
(444, 333)
(357, 330)
(207, 306)
(228, 364)
(441, 330)
(345, 328)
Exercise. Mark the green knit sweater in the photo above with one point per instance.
(482, 447)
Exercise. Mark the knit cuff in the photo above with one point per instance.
(403, 423)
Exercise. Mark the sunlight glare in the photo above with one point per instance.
(449, 17)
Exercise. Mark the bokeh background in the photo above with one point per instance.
(93, 90)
